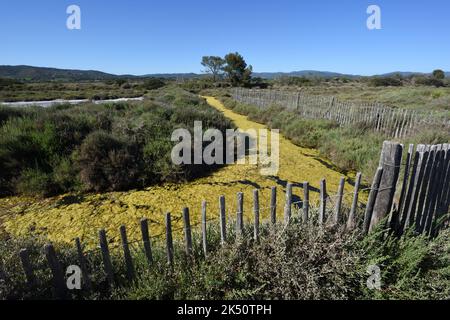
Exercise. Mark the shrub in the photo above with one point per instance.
(385, 82)
(33, 182)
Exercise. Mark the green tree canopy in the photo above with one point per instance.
(214, 65)
(438, 74)
(237, 70)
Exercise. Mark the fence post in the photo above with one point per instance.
(126, 253)
(273, 205)
(351, 223)
(83, 265)
(323, 201)
(169, 240)
(106, 257)
(28, 268)
(223, 220)
(371, 200)
(288, 204)
(305, 201)
(240, 215)
(57, 272)
(204, 229)
(146, 241)
(256, 212)
(187, 231)
(338, 207)
(390, 161)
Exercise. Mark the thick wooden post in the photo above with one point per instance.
(390, 161)
(59, 283)
(305, 201)
(223, 220)
(338, 207)
(288, 204)
(146, 241)
(351, 222)
(169, 240)
(126, 253)
(187, 231)
(273, 205)
(107, 264)
(323, 201)
(371, 200)
(256, 213)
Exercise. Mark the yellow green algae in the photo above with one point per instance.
(63, 218)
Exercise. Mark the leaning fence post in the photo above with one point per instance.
(273, 205)
(27, 268)
(146, 240)
(351, 223)
(340, 195)
(57, 272)
(240, 215)
(107, 264)
(187, 231)
(323, 201)
(371, 201)
(83, 266)
(169, 240)
(223, 220)
(390, 161)
(256, 212)
(127, 254)
(204, 229)
(288, 205)
(305, 201)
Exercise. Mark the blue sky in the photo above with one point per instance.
(149, 36)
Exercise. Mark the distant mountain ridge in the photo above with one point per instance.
(31, 73)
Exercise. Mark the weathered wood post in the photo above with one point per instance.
(28, 268)
(273, 206)
(351, 222)
(338, 207)
(390, 161)
(169, 240)
(126, 253)
(107, 264)
(240, 215)
(223, 220)
(59, 282)
(204, 229)
(371, 201)
(187, 231)
(146, 241)
(305, 201)
(83, 265)
(256, 213)
(323, 201)
(288, 204)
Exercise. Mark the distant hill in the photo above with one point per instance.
(303, 73)
(29, 73)
(49, 74)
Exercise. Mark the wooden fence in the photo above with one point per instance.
(419, 200)
(394, 122)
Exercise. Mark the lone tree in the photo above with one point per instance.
(438, 74)
(214, 65)
(237, 70)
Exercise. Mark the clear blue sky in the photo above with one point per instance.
(153, 36)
